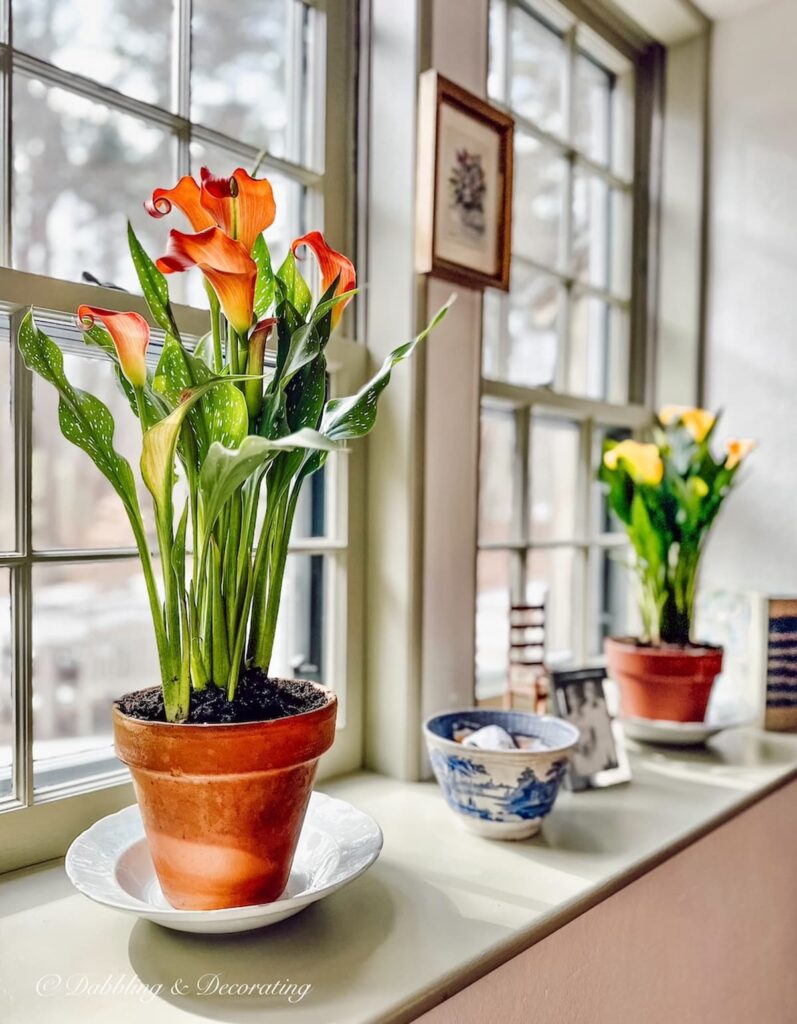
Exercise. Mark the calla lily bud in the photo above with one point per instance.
(253, 389)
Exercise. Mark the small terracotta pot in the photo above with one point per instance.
(667, 682)
(223, 805)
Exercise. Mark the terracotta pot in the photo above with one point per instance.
(668, 682)
(223, 805)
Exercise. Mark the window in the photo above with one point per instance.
(169, 87)
(557, 351)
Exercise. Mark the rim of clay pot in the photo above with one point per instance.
(518, 754)
(226, 748)
(692, 650)
(332, 698)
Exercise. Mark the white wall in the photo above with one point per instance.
(752, 330)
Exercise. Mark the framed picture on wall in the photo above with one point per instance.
(464, 189)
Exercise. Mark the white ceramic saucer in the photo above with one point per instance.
(110, 863)
(721, 715)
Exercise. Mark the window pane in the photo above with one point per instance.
(74, 506)
(125, 45)
(311, 509)
(496, 57)
(528, 354)
(591, 229)
(496, 474)
(80, 170)
(92, 642)
(592, 109)
(621, 242)
(492, 622)
(553, 479)
(254, 74)
(6, 683)
(539, 201)
(610, 591)
(299, 648)
(623, 125)
(551, 578)
(7, 474)
(537, 72)
(598, 364)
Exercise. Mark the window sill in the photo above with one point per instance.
(440, 909)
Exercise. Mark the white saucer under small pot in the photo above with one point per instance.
(110, 863)
(723, 713)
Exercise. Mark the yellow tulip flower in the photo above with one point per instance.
(738, 449)
(697, 421)
(643, 461)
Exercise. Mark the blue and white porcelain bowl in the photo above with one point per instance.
(502, 794)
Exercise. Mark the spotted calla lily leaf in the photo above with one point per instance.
(84, 419)
(153, 283)
(346, 418)
(221, 416)
(264, 282)
(294, 286)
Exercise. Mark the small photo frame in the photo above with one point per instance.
(600, 759)
(464, 191)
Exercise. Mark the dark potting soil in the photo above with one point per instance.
(258, 698)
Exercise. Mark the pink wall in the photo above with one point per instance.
(708, 937)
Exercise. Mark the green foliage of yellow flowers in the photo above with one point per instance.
(667, 493)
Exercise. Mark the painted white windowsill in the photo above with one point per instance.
(440, 908)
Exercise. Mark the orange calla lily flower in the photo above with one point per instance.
(130, 335)
(332, 265)
(186, 197)
(242, 205)
(738, 450)
(225, 263)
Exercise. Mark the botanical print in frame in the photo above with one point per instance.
(464, 186)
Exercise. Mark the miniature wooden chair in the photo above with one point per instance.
(527, 676)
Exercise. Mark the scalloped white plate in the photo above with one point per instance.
(110, 863)
(719, 717)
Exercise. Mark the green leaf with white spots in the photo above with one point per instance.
(153, 283)
(264, 282)
(294, 286)
(351, 417)
(84, 419)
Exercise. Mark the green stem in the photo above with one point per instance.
(274, 504)
(234, 351)
(278, 558)
(155, 607)
(215, 326)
